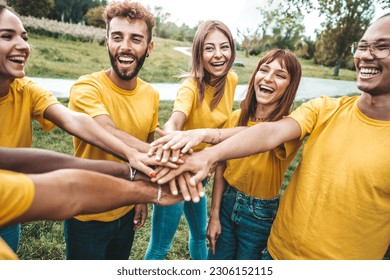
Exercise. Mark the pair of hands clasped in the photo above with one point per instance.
(192, 168)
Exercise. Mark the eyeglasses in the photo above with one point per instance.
(378, 50)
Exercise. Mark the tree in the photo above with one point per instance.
(73, 11)
(94, 17)
(38, 9)
(345, 22)
(277, 29)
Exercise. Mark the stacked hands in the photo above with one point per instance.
(177, 165)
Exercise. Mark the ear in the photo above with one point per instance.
(106, 42)
(150, 48)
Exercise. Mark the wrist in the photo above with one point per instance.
(132, 172)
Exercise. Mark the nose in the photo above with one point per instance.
(22, 44)
(126, 45)
(218, 52)
(367, 54)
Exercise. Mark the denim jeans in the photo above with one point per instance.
(11, 235)
(245, 226)
(95, 240)
(165, 221)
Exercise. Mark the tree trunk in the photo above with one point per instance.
(336, 68)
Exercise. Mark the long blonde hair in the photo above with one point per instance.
(198, 72)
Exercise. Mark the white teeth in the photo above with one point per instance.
(268, 89)
(218, 63)
(126, 59)
(369, 71)
(19, 59)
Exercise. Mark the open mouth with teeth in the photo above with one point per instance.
(218, 64)
(17, 59)
(369, 72)
(125, 60)
(266, 90)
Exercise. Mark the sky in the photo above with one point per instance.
(241, 14)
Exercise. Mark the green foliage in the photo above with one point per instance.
(72, 11)
(37, 9)
(94, 17)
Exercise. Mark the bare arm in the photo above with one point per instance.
(214, 227)
(131, 141)
(256, 139)
(65, 193)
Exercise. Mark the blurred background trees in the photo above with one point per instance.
(281, 25)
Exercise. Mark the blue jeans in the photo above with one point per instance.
(95, 240)
(165, 221)
(245, 226)
(11, 235)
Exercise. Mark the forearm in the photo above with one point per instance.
(129, 140)
(29, 160)
(217, 135)
(218, 189)
(65, 193)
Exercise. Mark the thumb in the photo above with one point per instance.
(160, 132)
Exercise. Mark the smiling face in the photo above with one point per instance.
(127, 46)
(14, 49)
(373, 73)
(271, 82)
(217, 53)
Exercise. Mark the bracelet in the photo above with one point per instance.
(132, 172)
(159, 192)
(220, 136)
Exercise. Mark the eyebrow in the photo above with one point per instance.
(11, 31)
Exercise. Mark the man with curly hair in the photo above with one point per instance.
(114, 97)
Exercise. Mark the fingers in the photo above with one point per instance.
(193, 190)
(173, 187)
(183, 188)
(140, 215)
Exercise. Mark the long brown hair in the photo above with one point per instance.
(130, 10)
(198, 72)
(289, 61)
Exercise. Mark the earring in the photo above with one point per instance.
(147, 55)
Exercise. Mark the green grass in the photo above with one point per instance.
(44, 240)
(60, 58)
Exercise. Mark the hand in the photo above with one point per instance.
(167, 198)
(187, 191)
(199, 165)
(141, 213)
(141, 162)
(178, 140)
(213, 232)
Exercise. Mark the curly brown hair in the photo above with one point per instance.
(130, 10)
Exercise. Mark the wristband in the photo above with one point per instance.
(132, 172)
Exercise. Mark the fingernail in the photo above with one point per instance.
(157, 158)
(187, 198)
(164, 160)
(201, 193)
(164, 147)
(174, 192)
(152, 175)
(174, 159)
(196, 199)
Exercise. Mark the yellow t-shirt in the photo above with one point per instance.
(24, 102)
(202, 117)
(16, 196)
(259, 175)
(135, 112)
(337, 205)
